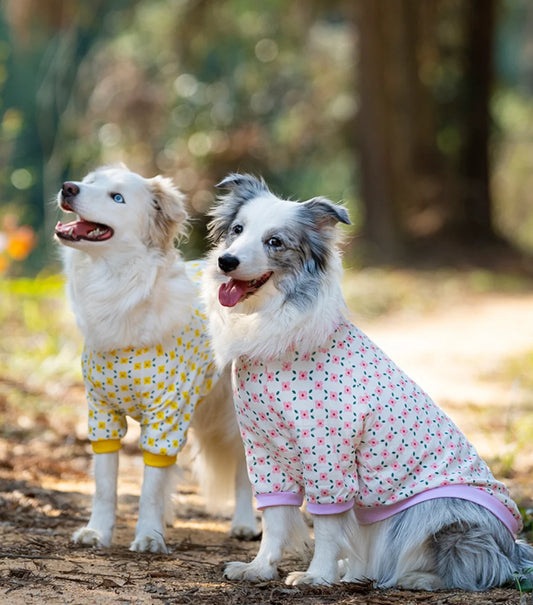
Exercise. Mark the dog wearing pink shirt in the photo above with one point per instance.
(396, 491)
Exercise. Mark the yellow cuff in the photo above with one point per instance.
(105, 446)
(158, 460)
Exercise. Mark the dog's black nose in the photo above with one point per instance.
(69, 190)
(228, 262)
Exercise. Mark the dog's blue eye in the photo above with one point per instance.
(117, 197)
(237, 229)
(274, 242)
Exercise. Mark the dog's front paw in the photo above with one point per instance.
(152, 542)
(91, 537)
(244, 532)
(254, 571)
(296, 578)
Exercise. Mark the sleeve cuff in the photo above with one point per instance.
(278, 499)
(106, 446)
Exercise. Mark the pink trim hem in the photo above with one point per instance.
(365, 516)
(278, 499)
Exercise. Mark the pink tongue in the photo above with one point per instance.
(230, 293)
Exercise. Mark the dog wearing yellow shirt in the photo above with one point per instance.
(146, 352)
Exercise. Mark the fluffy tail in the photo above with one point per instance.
(216, 447)
(523, 559)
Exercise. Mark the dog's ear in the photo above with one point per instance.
(242, 188)
(325, 213)
(169, 217)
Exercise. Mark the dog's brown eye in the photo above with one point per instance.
(274, 242)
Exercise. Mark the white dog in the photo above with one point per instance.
(397, 493)
(146, 352)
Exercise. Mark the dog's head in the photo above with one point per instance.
(263, 239)
(116, 206)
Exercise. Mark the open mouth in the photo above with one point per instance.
(236, 290)
(83, 230)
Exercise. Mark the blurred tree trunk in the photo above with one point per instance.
(474, 218)
(410, 189)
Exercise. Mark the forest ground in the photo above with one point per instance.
(467, 355)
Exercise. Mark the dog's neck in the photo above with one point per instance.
(132, 300)
(266, 325)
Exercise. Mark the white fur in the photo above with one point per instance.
(132, 290)
(475, 550)
(263, 324)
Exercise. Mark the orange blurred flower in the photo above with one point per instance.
(16, 241)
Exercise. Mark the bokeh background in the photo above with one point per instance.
(417, 114)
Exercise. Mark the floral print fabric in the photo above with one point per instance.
(158, 386)
(346, 426)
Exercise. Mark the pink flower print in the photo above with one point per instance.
(319, 385)
(306, 357)
(305, 414)
(347, 407)
(347, 390)
(273, 434)
(324, 492)
(373, 442)
(404, 413)
(415, 444)
(270, 376)
(286, 366)
(255, 397)
(241, 385)
(262, 479)
(263, 417)
(336, 359)
(333, 431)
(276, 469)
(378, 425)
(285, 386)
(411, 461)
(308, 467)
(306, 451)
(319, 366)
(320, 423)
(337, 466)
(322, 459)
(347, 425)
(364, 399)
(345, 458)
(276, 487)
(280, 425)
(306, 433)
(287, 405)
(303, 375)
(334, 377)
(427, 438)
(395, 466)
(334, 396)
(302, 395)
(291, 425)
(389, 436)
(367, 455)
(339, 483)
(334, 414)
(261, 460)
(364, 380)
(272, 399)
(385, 454)
(319, 404)
(416, 425)
(349, 371)
(323, 476)
(320, 441)
(254, 377)
(400, 449)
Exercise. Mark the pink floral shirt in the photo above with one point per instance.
(346, 427)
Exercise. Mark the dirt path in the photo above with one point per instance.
(45, 484)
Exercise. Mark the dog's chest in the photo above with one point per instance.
(147, 380)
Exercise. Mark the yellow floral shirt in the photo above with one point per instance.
(159, 386)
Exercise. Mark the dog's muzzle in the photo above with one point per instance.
(228, 262)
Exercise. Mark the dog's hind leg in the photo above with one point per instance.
(150, 530)
(333, 540)
(99, 530)
(244, 524)
(283, 527)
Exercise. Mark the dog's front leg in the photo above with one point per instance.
(150, 530)
(330, 542)
(282, 527)
(99, 530)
